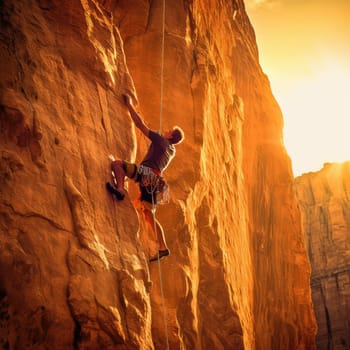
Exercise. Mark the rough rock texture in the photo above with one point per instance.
(73, 263)
(324, 200)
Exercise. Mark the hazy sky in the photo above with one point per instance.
(304, 48)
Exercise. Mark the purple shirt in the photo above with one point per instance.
(160, 152)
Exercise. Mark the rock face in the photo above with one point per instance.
(73, 264)
(324, 200)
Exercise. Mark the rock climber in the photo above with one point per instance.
(148, 174)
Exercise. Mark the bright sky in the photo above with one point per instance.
(304, 48)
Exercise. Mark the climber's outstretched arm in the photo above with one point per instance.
(135, 116)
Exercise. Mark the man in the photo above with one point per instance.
(148, 174)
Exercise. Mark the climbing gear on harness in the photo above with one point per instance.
(161, 254)
(154, 184)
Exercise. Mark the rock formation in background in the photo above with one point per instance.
(324, 200)
(74, 269)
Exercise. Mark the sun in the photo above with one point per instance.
(316, 110)
(308, 63)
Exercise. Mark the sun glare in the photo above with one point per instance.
(304, 49)
(316, 111)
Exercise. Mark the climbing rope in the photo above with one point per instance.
(151, 182)
(160, 277)
(162, 70)
(153, 204)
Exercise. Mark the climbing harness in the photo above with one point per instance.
(154, 184)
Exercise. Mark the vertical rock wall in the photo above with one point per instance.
(324, 200)
(74, 271)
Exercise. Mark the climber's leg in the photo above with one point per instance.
(156, 228)
(157, 231)
(119, 175)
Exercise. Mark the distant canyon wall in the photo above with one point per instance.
(324, 200)
(74, 269)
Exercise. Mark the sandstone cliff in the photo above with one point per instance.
(324, 200)
(73, 265)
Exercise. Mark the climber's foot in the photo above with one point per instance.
(161, 254)
(111, 189)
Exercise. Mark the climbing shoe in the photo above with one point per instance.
(111, 189)
(161, 254)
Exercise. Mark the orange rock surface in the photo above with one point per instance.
(325, 206)
(74, 270)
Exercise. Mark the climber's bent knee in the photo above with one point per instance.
(130, 170)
